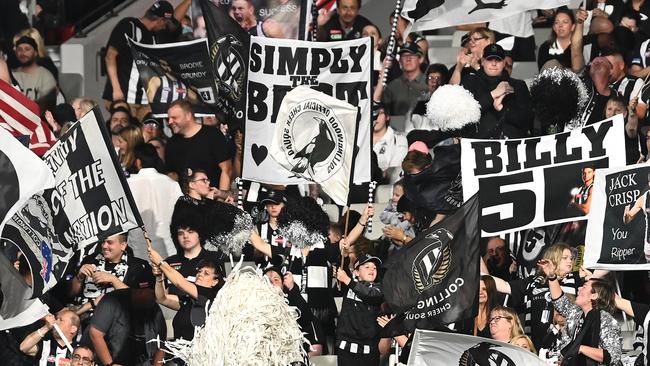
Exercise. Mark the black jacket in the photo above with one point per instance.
(516, 118)
(358, 318)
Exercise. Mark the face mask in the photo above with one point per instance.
(187, 29)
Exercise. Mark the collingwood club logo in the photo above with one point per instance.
(485, 354)
(432, 263)
(228, 65)
(313, 140)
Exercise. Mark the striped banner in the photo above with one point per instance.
(91, 200)
(21, 117)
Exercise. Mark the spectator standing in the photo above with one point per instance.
(402, 93)
(35, 81)
(120, 66)
(558, 46)
(344, 23)
(389, 145)
(198, 147)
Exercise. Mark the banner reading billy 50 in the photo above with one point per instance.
(339, 69)
(538, 181)
(618, 231)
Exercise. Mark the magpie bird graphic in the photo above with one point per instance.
(316, 150)
(423, 7)
(480, 5)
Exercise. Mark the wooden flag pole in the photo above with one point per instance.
(146, 238)
(345, 234)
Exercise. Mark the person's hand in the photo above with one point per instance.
(155, 257)
(384, 319)
(324, 16)
(582, 15)
(368, 212)
(288, 281)
(502, 89)
(585, 273)
(212, 193)
(547, 267)
(118, 95)
(513, 267)
(344, 246)
(56, 127)
(596, 13)
(463, 57)
(497, 104)
(631, 107)
(86, 270)
(342, 276)
(239, 141)
(394, 232)
(104, 278)
(155, 269)
(49, 321)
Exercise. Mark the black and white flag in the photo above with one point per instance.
(16, 309)
(438, 348)
(434, 280)
(173, 71)
(435, 14)
(22, 174)
(618, 230)
(314, 140)
(539, 181)
(91, 199)
(339, 69)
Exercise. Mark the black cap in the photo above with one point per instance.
(367, 258)
(275, 197)
(27, 40)
(149, 118)
(412, 48)
(376, 107)
(404, 205)
(162, 9)
(494, 51)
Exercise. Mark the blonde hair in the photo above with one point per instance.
(484, 32)
(531, 346)
(554, 254)
(85, 104)
(34, 34)
(133, 136)
(516, 330)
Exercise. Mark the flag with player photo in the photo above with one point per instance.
(539, 181)
(174, 71)
(91, 199)
(618, 230)
(436, 14)
(314, 139)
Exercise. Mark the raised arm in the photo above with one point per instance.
(173, 275)
(502, 286)
(577, 53)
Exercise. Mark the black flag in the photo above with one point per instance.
(228, 47)
(434, 280)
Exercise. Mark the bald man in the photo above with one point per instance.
(46, 344)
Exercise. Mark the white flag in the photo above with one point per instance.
(314, 140)
(435, 14)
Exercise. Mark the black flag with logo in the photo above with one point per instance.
(228, 46)
(434, 280)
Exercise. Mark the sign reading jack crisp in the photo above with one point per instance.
(618, 231)
(539, 181)
(314, 140)
(277, 66)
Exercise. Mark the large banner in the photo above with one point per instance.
(434, 280)
(432, 348)
(173, 71)
(435, 14)
(277, 19)
(91, 199)
(539, 181)
(618, 231)
(314, 140)
(340, 69)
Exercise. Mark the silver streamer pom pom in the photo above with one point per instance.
(452, 107)
(299, 236)
(233, 241)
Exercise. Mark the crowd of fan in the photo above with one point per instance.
(109, 303)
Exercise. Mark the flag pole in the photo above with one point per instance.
(146, 238)
(391, 40)
(618, 290)
(345, 234)
(63, 337)
(314, 21)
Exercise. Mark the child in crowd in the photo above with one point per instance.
(390, 216)
(357, 336)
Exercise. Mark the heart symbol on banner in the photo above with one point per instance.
(259, 153)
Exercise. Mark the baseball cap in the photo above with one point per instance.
(149, 119)
(276, 197)
(494, 51)
(367, 258)
(27, 40)
(410, 48)
(162, 9)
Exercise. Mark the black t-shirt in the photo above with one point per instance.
(131, 87)
(531, 297)
(113, 318)
(192, 312)
(190, 267)
(334, 32)
(205, 150)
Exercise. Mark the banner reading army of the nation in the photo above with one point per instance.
(91, 199)
(173, 71)
(539, 181)
(339, 69)
(618, 231)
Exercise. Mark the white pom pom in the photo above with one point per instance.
(451, 107)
